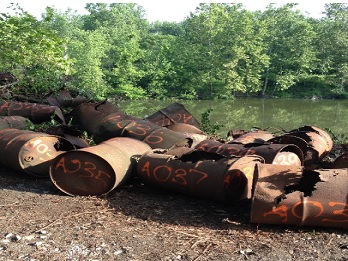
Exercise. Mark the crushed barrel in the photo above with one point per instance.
(198, 173)
(97, 170)
(300, 197)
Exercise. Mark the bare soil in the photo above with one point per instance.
(139, 222)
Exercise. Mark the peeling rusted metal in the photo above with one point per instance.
(72, 134)
(341, 161)
(314, 142)
(99, 169)
(301, 197)
(198, 173)
(190, 131)
(37, 113)
(15, 122)
(30, 152)
(284, 154)
(174, 113)
(257, 136)
(64, 99)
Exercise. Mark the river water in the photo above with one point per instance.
(276, 114)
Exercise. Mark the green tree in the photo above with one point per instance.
(123, 25)
(332, 42)
(221, 51)
(160, 77)
(33, 52)
(289, 39)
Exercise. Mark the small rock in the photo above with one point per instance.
(37, 244)
(13, 237)
(247, 251)
(119, 252)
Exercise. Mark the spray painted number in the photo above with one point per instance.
(333, 211)
(83, 169)
(163, 174)
(44, 151)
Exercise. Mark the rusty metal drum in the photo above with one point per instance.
(200, 174)
(31, 152)
(97, 170)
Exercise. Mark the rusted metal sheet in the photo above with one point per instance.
(198, 173)
(300, 197)
(257, 136)
(37, 113)
(314, 142)
(99, 169)
(30, 152)
(341, 161)
(15, 122)
(284, 154)
(72, 134)
(64, 99)
(174, 113)
(190, 131)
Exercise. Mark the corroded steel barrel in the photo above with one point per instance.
(30, 152)
(97, 170)
(200, 174)
(283, 154)
(105, 121)
(301, 197)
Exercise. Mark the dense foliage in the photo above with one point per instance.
(219, 51)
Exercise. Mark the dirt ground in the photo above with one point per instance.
(139, 222)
